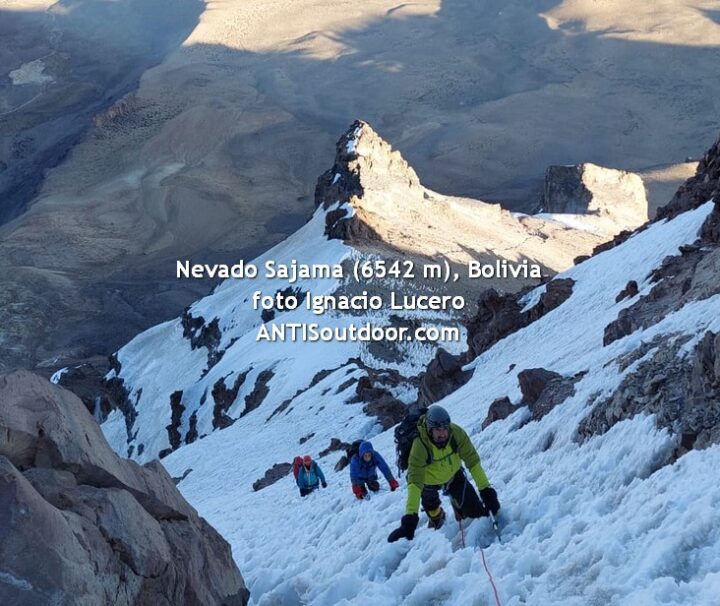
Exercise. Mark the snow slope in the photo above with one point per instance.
(593, 523)
(161, 360)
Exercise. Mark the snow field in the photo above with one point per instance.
(593, 523)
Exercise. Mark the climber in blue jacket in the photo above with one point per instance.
(310, 476)
(363, 471)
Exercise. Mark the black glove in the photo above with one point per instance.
(408, 524)
(324, 484)
(489, 498)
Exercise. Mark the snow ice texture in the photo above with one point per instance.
(590, 524)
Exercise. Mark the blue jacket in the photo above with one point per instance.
(361, 470)
(310, 478)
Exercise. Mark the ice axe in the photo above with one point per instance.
(496, 526)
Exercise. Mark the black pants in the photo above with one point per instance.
(371, 484)
(463, 496)
(306, 491)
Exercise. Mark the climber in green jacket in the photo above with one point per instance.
(434, 464)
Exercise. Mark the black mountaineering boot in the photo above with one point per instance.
(456, 510)
(436, 521)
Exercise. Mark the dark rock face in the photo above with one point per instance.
(690, 276)
(683, 393)
(272, 475)
(344, 181)
(623, 326)
(79, 525)
(565, 191)
(556, 293)
(697, 190)
(192, 433)
(533, 382)
(173, 429)
(443, 376)
(543, 390)
(616, 241)
(205, 335)
(279, 300)
(554, 394)
(500, 315)
(500, 409)
(223, 398)
(87, 381)
(630, 291)
(335, 445)
(304, 439)
(329, 188)
(374, 389)
(260, 390)
(710, 231)
(591, 189)
(388, 410)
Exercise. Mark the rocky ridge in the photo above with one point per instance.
(613, 199)
(376, 202)
(80, 525)
(676, 384)
(372, 206)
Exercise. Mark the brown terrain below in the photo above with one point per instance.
(215, 155)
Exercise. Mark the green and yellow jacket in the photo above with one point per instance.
(433, 466)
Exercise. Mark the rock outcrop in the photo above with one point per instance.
(702, 187)
(501, 314)
(681, 391)
(692, 274)
(272, 475)
(689, 276)
(87, 381)
(344, 182)
(544, 389)
(500, 409)
(498, 315)
(374, 200)
(595, 190)
(79, 525)
(444, 375)
(375, 390)
(697, 190)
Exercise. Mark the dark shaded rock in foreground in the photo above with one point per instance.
(79, 525)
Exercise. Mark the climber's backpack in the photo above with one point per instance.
(297, 464)
(405, 433)
(352, 450)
